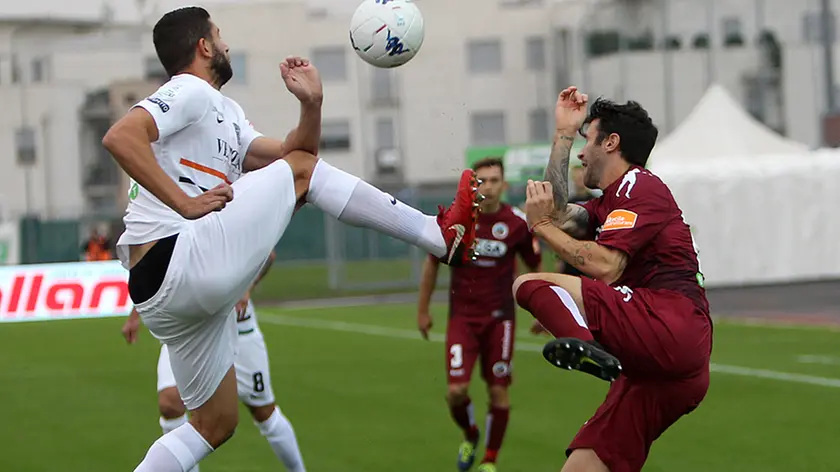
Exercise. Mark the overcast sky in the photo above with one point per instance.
(124, 10)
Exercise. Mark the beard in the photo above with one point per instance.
(221, 68)
(591, 176)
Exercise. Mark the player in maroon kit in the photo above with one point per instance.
(644, 304)
(481, 313)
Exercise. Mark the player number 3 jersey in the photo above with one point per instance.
(203, 138)
(638, 215)
(482, 288)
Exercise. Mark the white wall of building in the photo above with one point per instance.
(50, 101)
(437, 96)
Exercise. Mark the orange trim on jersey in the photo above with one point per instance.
(205, 169)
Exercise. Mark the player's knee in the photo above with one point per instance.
(218, 428)
(170, 404)
(302, 164)
(524, 287)
(261, 414)
(457, 394)
(584, 460)
(499, 396)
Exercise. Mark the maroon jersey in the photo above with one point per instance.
(482, 288)
(638, 216)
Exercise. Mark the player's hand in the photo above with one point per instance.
(212, 200)
(570, 111)
(242, 306)
(537, 328)
(131, 326)
(539, 204)
(424, 324)
(302, 79)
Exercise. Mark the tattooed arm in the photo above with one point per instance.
(599, 262)
(571, 218)
(557, 170)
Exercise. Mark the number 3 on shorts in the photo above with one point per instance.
(456, 356)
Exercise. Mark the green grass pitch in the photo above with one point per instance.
(365, 394)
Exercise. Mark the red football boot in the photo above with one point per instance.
(457, 223)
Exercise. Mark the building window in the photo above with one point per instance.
(335, 135)
(382, 85)
(385, 133)
(40, 70)
(484, 56)
(535, 53)
(538, 126)
(239, 63)
(153, 69)
(16, 72)
(488, 128)
(331, 63)
(812, 28)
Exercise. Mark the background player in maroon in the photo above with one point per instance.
(481, 313)
(644, 304)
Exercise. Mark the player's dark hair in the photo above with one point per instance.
(489, 162)
(177, 34)
(630, 122)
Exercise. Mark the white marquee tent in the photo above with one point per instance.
(760, 205)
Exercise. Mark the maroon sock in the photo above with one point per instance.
(462, 414)
(497, 421)
(539, 298)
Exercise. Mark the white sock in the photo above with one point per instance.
(357, 203)
(168, 425)
(176, 451)
(278, 431)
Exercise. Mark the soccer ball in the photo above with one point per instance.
(387, 33)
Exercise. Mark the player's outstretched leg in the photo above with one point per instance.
(210, 426)
(278, 431)
(353, 201)
(173, 413)
(554, 300)
(461, 409)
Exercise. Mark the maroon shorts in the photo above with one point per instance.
(490, 339)
(664, 343)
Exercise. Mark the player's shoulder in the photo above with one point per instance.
(515, 219)
(516, 212)
(640, 184)
(181, 89)
(234, 104)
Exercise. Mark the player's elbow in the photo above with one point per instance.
(117, 138)
(111, 139)
(610, 269)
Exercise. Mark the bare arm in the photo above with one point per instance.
(575, 221)
(305, 137)
(129, 141)
(428, 281)
(557, 170)
(599, 262)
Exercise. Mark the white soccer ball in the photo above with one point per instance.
(387, 33)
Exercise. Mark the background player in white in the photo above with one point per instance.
(193, 252)
(253, 377)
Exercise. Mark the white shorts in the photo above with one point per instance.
(253, 376)
(215, 260)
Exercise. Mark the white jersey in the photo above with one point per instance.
(203, 139)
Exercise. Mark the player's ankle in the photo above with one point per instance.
(472, 434)
(490, 456)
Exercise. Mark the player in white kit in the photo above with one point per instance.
(253, 381)
(197, 234)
